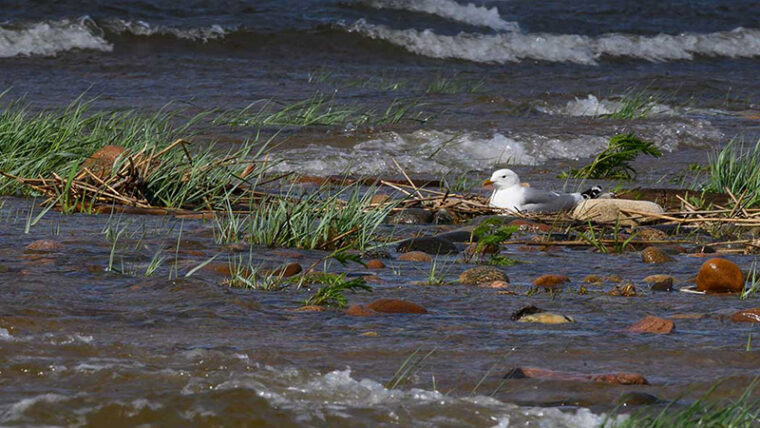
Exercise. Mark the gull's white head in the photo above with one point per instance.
(503, 179)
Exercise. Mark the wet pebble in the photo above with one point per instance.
(375, 264)
(550, 280)
(652, 324)
(482, 275)
(546, 318)
(654, 255)
(593, 279)
(443, 216)
(415, 256)
(624, 290)
(720, 276)
(530, 226)
(660, 282)
(396, 306)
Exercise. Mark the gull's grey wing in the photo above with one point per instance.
(543, 200)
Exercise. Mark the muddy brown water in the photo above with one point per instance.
(81, 345)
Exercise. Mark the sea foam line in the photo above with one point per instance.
(449, 9)
(574, 48)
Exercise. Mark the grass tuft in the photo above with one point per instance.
(737, 169)
(614, 161)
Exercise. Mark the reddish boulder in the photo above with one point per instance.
(720, 276)
(652, 324)
(360, 311)
(746, 315)
(550, 280)
(395, 306)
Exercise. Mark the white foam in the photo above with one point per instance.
(6, 335)
(418, 152)
(142, 28)
(574, 48)
(337, 393)
(593, 106)
(450, 9)
(48, 38)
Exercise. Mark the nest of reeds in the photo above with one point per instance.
(115, 177)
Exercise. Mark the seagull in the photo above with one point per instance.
(509, 194)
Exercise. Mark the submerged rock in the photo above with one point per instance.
(360, 311)
(654, 255)
(395, 306)
(609, 211)
(720, 276)
(411, 216)
(546, 318)
(44, 246)
(593, 279)
(415, 256)
(652, 324)
(637, 398)
(428, 244)
(621, 378)
(747, 315)
(463, 234)
(625, 290)
(550, 280)
(482, 275)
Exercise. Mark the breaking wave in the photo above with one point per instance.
(574, 48)
(142, 28)
(436, 152)
(468, 14)
(48, 38)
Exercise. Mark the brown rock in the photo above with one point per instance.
(720, 276)
(360, 311)
(415, 256)
(593, 279)
(482, 275)
(44, 246)
(652, 324)
(538, 373)
(550, 280)
(650, 234)
(101, 162)
(654, 255)
(495, 284)
(746, 315)
(611, 211)
(625, 290)
(375, 264)
(546, 318)
(395, 306)
(472, 250)
(660, 282)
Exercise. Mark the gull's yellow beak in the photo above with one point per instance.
(487, 183)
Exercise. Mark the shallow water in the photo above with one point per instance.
(83, 345)
(528, 85)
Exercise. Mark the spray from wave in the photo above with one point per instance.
(48, 38)
(449, 9)
(142, 28)
(579, 49)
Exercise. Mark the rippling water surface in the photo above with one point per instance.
(487, 83)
